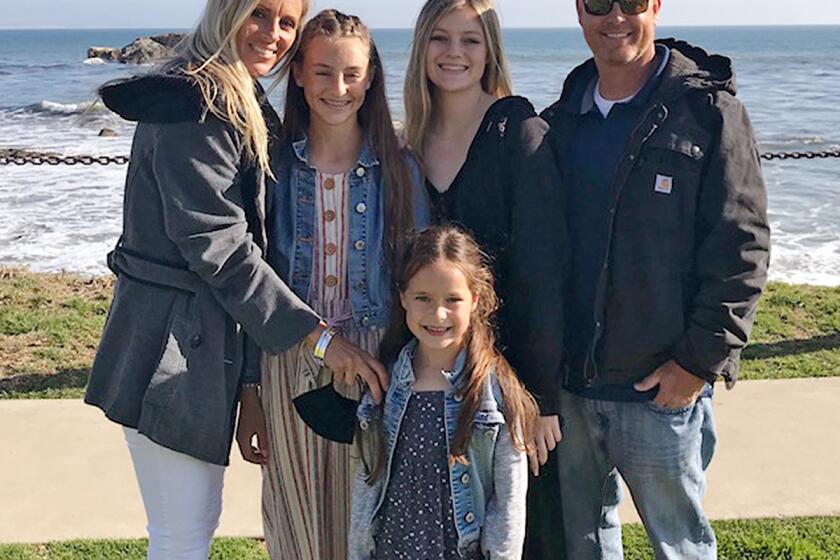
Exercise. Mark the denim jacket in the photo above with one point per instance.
(488, 493)
(292, 228)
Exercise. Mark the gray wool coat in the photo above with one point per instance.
(191, 279)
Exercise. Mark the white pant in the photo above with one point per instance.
(182, 496)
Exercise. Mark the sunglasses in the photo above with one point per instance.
(603, 7)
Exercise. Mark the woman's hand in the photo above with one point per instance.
(348, 362)
(546, 437)
(252, 423)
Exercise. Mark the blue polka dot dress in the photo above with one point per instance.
(416, 521)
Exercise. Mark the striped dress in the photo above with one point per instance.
(307, 483)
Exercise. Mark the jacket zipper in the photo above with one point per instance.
(590, 364)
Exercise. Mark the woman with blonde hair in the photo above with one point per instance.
(192, 283)
(489, 169)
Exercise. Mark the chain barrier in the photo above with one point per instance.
(769, 156)
(21, 157)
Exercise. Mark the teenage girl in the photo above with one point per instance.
(448, 475)
(489, 169)
(348, 197)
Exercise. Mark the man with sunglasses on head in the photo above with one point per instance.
(670, 248)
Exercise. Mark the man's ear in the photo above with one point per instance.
(579, 8)
(657, 5)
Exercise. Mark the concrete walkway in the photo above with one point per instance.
(65, 472)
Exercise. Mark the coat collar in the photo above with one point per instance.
(688, 68)
(585, 98)
(403, 372)
(155, 98)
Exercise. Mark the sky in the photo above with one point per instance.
(178, 14)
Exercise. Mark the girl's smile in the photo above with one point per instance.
(335, 77)
(457, 52)
(438, 304)
(436, 331)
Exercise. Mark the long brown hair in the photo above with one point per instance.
(375, 120)
(418, 89)
(451, 245)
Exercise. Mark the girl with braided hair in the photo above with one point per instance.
(347, 199)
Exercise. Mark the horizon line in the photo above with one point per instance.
(513, 28)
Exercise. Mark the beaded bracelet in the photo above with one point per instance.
(257, 386)
(320, 350)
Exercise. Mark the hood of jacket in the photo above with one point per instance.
(689, 69)
(155, 98)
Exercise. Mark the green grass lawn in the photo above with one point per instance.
(816, 538)
(49, 328)
(223, 549)
(50, 325)
(797, 334)
(811, 538)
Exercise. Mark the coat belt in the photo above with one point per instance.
(134, 265)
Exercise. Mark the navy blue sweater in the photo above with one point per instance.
(594, 153)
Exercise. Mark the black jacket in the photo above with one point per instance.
(508, 196)
(683, 272)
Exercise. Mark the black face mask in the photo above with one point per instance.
(328, 413)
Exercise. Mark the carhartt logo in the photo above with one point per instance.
(664, 184)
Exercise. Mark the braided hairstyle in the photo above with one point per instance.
(375, 120)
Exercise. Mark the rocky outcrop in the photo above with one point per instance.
(143, 50)
(22, 153)
(168, 40)
(105, 53)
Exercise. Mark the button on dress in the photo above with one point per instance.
(307, 484)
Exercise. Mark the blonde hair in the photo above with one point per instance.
(418, 95)
(210, 56)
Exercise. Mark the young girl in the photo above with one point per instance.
(347, 198)
(489, 169)
(448, 474)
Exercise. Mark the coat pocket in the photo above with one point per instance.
(488, 418)
(487, 424)
(664, 185)
(181, 336)
(194, 386)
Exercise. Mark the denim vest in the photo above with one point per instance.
(291, 226)
(471, 484)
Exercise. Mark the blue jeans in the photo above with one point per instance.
(662, 456)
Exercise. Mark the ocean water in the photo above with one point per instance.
(56, 218)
